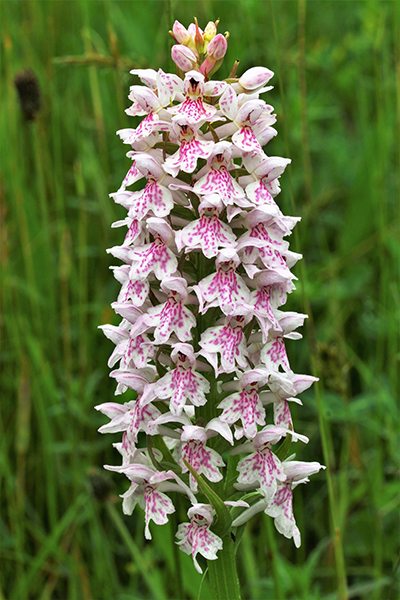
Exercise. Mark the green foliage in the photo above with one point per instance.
(335, 96)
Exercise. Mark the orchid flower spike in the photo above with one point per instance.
(200, 356)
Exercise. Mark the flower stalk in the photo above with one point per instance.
(223, 577)
(199, 351)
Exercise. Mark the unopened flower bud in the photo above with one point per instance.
(183, 57)
(207, 66)
(180, 33)
(254, 79)
(217, 47)
(209, 32)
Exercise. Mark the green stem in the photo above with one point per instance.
(223, 577)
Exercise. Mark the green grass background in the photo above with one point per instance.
(337, 100)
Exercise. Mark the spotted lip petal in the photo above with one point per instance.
(147, 490)
(154, 198)
(133, 291)
(225, 289)
(246, 141)
(221, 182)
(168, 318)
(204, 460)
(280, 508)
(264, 468)
(245, 406)
(196, 538)
(130, 417)
(182, 385)
(142, 131)
(207, 233)
(229, 342)
(154, 257)
(193, 107)
(192, 147)
(133, 352)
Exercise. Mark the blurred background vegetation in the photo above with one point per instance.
(63, 535)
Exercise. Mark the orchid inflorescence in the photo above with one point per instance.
(205, 271)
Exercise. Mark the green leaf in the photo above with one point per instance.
(168, 462)
(284, 448)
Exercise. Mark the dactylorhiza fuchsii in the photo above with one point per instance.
(200, 349)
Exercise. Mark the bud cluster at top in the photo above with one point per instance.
(205, 271)
(196, 49)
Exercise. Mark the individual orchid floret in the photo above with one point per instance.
(254, 120)
(192, 146)
(196, 538)
(207, 233)
(165, 85)
(155, 198)
(131, 417)
(132, 292)
(263, 306)
(183, 384)
(281, 507)
(152, 107)
(205, 461)
(246, 405)
(251, 122)
(262, 184)
(154, 257)
(257, 247)
(217, 179)
(192, 448)
(277, 288)
(132, 351)
(283, 389)
(171, 316)
(193, 107)
(262, 468)
(148, 489)
(229, 342)
(273, 354)
(225, 288)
